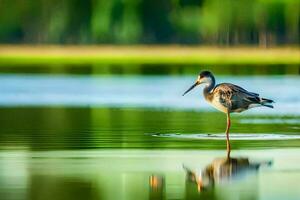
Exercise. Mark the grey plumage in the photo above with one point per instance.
(237, 99)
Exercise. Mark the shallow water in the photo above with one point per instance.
(147, 174)
(128, 137)
(233, 136)
(111, 153)
(55, 128)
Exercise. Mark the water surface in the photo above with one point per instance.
(139, 91)
(145, 174)
(100, 136)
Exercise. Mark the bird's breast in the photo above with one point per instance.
(215, 102)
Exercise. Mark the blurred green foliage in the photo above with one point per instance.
(151, 69)
(224, 22)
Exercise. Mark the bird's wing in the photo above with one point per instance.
(237, 88)
(233, 96)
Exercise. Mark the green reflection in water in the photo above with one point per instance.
(149, 174)
(81, 128)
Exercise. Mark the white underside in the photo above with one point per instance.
(254, 105)
(215, 103)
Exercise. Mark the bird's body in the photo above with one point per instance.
(228, 98)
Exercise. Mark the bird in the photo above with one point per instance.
(228, 98)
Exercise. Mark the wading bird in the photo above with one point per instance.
(228, 98)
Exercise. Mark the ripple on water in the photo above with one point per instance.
(233, 136)
(270, 121)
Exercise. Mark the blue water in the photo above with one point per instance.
(139, 91)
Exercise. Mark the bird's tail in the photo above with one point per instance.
(267, 102)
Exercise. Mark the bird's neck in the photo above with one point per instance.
(209, 87)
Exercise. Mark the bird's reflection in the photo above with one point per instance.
(220, 170)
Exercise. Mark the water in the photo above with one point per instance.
(100, 136)
(146, 174)
(138, 91)
(233, 136)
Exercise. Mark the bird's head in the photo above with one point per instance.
(204, 77)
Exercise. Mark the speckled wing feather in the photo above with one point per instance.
(235, 98)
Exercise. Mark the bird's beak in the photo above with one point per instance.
(192, 87)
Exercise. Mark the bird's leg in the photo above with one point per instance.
(227, 135)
